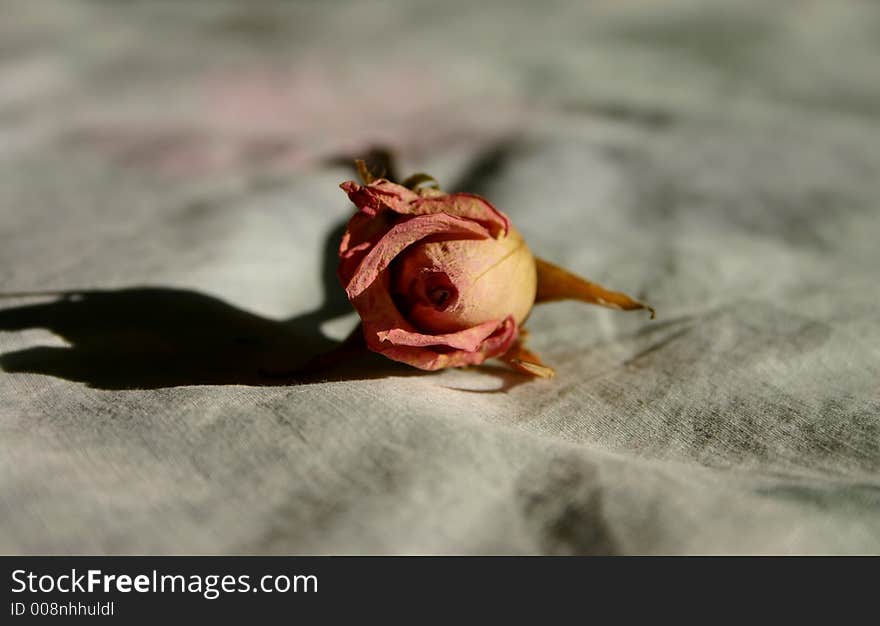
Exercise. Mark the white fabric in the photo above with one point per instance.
(718, 160)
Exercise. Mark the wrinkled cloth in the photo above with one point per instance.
(170, 214)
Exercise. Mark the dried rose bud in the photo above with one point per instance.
(439, 280)
(443, 280)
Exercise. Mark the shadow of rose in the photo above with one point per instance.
(151, 337)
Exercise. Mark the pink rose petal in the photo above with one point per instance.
(425, 358)
(468, 339)
(466, 205)
(382, 320)
(379, 194)
(404, 235)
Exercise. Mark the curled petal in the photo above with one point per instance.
(425, 358)
(384, 326)
(380, 194)
(383, 194)
(403, 235)
(362, 233)
(468, 205)
(468, 339)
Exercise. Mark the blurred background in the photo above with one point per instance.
(123, 116)
(173, 168)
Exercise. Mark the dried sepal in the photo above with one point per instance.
(419, 180)
(525, 361)
(555, 283)
(364, 172)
